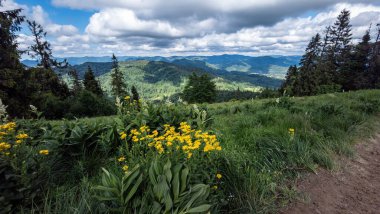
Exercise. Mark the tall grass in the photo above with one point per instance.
(262, 156)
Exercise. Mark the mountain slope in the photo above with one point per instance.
(157, 80)
(274, 66)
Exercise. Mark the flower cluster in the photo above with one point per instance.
(184, 139)
(8, 140)
(8, 126)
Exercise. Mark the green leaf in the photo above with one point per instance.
(134, 189)
(184, 174)
(200, 209)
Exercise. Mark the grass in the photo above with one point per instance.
(255, 137)
(260, 157)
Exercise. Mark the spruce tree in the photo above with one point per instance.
(77, 87)
(136, 97)
(135, 94)
(357, 69)
(10, 22)
(341, 37)
(289, 85)
(41, 48)
(325, 70)
(199, 89)
(374, 66)
(12, 74)
(307, 82)
(118, 84)
(91, 84)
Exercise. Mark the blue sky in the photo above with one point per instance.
(196, 27)
(62, 15)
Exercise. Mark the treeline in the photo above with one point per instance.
(333, 63)
(43, 88)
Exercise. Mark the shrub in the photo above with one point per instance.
(161, 188)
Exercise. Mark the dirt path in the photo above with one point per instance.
(355, 188)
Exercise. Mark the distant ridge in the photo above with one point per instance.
(275, 66)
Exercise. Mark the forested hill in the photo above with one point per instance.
(275, 66)
(156, 79)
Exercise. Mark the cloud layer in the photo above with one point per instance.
(172, 27)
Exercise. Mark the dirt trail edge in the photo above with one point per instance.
(355, 188)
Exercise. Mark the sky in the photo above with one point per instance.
(187, 27)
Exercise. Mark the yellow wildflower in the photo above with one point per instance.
(22, 136)
(44, 152)
(215, 187)
(121, 159)
(291, 132)
(4, 146)
(135, 139)
(18, 141)
(219, 176)
(123, 135)
(125, 168)
(127, 98)
(189, 155)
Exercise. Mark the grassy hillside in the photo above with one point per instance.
(264, 146)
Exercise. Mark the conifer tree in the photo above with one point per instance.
(12, 83)
(10, 22)
(135, 94)
(77, 87)
(41, 48)
(307, 81)
(341, 45)
(357, 69)
(199, 89)
(91, 84)
(136, 97)
(326, 66)
(118, 84)
(289, 85)
(374, 67)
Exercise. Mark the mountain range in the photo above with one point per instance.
(159, 77)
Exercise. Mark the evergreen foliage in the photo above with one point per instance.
(118, 84)
(41, 48)
(91, 84)
(335, 63)
(77, 86)
(199, 89)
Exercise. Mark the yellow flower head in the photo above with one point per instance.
(4, 146)
(125, 168)
(127, 98)
(18, 141)
(123, 135)
(291, 132)
(215, 187)
(121, 159)
(189, 155)
(22, 136)
(44, 152)
(219, 176)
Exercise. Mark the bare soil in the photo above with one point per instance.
(353, 188)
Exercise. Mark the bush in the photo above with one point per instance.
(86, 103)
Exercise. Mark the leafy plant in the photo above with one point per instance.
(161, 189)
